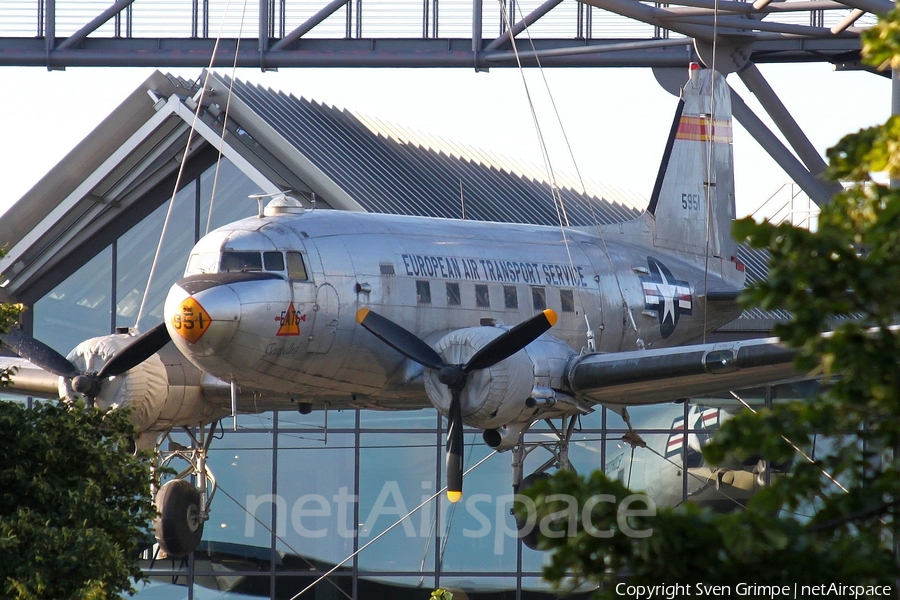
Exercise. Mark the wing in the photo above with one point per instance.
(29, 380)
(666, 374)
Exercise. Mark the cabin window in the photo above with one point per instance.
(567, 300)
(482, 296)
(423, 292)
(386, 268)
(273, 261)
(233, 261)
(510, 297)
(296, 267)
(538, 297)
(454, 298)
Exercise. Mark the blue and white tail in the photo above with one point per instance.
(692, 206)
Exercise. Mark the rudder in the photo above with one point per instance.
(696, 176)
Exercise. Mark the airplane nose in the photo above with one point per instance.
(202, 316)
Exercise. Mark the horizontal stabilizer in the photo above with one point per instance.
(723, 295)
(663, 375)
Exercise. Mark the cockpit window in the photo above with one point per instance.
(296, 267)
(241, 261)
(273, 261)
(202, 263)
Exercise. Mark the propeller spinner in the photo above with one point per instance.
(455, 376)
(87, 383)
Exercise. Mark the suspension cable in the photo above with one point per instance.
(383, 533)
(710, 162)
(556, 194)
(212, 196)
(283, 541)
(828, 475)
(183, 164)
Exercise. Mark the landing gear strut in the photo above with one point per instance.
(559, 450)
(184, 508)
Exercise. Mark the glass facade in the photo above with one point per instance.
(351, 506)
(81, 306)
(344, 504)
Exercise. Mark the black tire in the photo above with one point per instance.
(179, 526)
(529, 534)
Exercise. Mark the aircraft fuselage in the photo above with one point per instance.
(270, 302)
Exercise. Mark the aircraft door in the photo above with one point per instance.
(593, 304)
(602, 299)
(303, 297)
(333, 268)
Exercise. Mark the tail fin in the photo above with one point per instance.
(692, 205)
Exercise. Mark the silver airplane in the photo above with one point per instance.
(496, 325)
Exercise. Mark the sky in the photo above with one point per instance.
(614, 120)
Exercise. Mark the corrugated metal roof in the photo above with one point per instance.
(356, 162)
(756, 265)
(388, 169)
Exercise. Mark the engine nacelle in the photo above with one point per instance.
(496, 397)
(504, 438)
(144, 388)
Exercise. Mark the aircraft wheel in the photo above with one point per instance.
(529, 534)
(179, 526)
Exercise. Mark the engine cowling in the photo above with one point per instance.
(143, 388)
(492, 396)
(497, 396)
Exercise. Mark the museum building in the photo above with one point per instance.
(301, 494)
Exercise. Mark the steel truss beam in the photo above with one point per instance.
(727, 35)
(32, 33)
(174, 53)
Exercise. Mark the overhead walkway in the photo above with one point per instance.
(730, 36)
(451, 33)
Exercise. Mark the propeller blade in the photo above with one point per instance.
(454, 450)
(140, 349)
(399, 339)
(38, 353)
(511, 341)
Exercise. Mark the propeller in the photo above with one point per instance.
(455, 376)
(87, 384)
